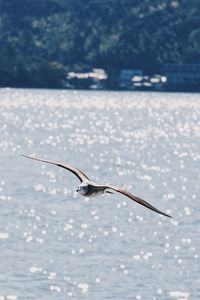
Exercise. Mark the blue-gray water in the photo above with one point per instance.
(57, 245)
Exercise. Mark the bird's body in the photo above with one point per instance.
(88, 188)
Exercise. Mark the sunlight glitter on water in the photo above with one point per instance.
(59, 245)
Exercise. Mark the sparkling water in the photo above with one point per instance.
(56, 244)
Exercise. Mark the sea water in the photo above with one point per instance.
(55, 244)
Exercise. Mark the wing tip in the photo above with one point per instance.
(24, 155)
(166, 215)
(169, 216)
(27, 156)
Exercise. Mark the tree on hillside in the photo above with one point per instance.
(42, 39)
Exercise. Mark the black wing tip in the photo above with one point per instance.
(35, 158)
(166, 215)
(27, 156)
(24, 155)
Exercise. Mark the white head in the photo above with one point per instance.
(82, 188)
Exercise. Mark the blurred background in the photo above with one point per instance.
(124, 44)
(110, 87)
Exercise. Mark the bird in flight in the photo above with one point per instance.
(88, 188)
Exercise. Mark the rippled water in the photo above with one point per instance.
(57, 245)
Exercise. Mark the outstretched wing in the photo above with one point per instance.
(81, 176)
(138, 200)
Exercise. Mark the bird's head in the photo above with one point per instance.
(82, 188)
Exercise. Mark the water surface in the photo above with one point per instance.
(58, 245)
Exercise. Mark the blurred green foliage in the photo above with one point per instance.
(40, 40)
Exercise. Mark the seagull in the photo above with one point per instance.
(88, 188)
